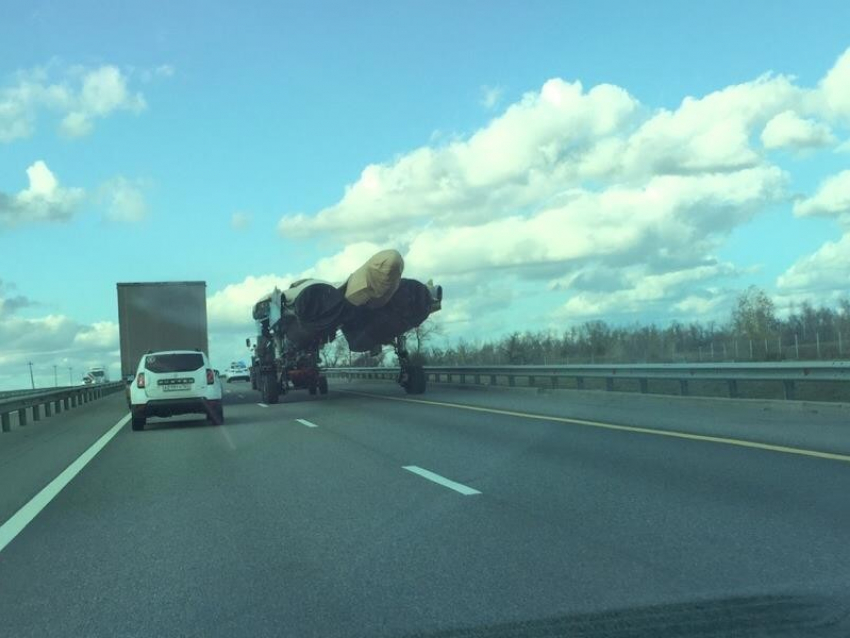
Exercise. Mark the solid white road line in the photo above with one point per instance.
(307, 423)
(441, 480)
(262, 405)
(20, 519)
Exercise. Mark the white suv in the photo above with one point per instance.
(175, 382)
(237, 372)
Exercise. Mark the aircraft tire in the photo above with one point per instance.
(271, 391)
(416, 380)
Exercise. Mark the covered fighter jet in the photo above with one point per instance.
(374, 307)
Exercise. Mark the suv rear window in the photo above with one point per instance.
(182, 362)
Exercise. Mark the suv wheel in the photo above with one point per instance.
(215, 416)
(138, 420)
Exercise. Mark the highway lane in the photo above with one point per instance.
(268, 526)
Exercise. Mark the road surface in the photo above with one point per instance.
(458, 513)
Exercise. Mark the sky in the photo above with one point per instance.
(548, 163)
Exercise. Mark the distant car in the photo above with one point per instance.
(175, 382)
(237, 372)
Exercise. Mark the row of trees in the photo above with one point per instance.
(754, 332)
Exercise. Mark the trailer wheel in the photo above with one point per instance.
(271, 390)
(323, 385)
(416, 380)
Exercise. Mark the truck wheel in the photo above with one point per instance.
(415, 380)
(312, 389)
(323, 385)
(138, 420)
(271, 390)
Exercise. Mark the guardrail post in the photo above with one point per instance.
(5, 422)
(609, 384)
(73, 400)
(22, 416)
(492, 379)
(789, 389)
(48, 409)
(463, 378)
(36, 413)
(733, 388)
(579, 383)
(449, 377)
(644, 386)
(58, 406)
(66, 403)
(511, 380)
(477, 379)
(683, 387)
(554, 380)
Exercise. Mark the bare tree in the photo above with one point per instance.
(335, 352)
(423, 333)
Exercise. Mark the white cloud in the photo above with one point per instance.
(828, 269)
(164, 71)
(689, 291)
(44, 200)
(102, 335)
(490, 96)
(78, 94)
(711, 133)
(539, 146)
(124, 200)
(831, 199)
(790, 130)
(103, 91)
(834, 90)
(672, 215)
(240, 220)
(561, 138)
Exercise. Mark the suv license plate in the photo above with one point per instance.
(175, 388)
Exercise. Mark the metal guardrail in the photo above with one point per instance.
(33, 402)
(732, 373)
(7, 394)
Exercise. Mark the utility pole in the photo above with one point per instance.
(55, 377)
(32, 379)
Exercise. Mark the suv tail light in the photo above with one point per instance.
(210, 377)
(140, 381)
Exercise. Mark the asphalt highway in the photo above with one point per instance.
(457, 513)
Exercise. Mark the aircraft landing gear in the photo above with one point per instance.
(411, 377)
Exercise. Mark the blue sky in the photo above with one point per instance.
(210, 109)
